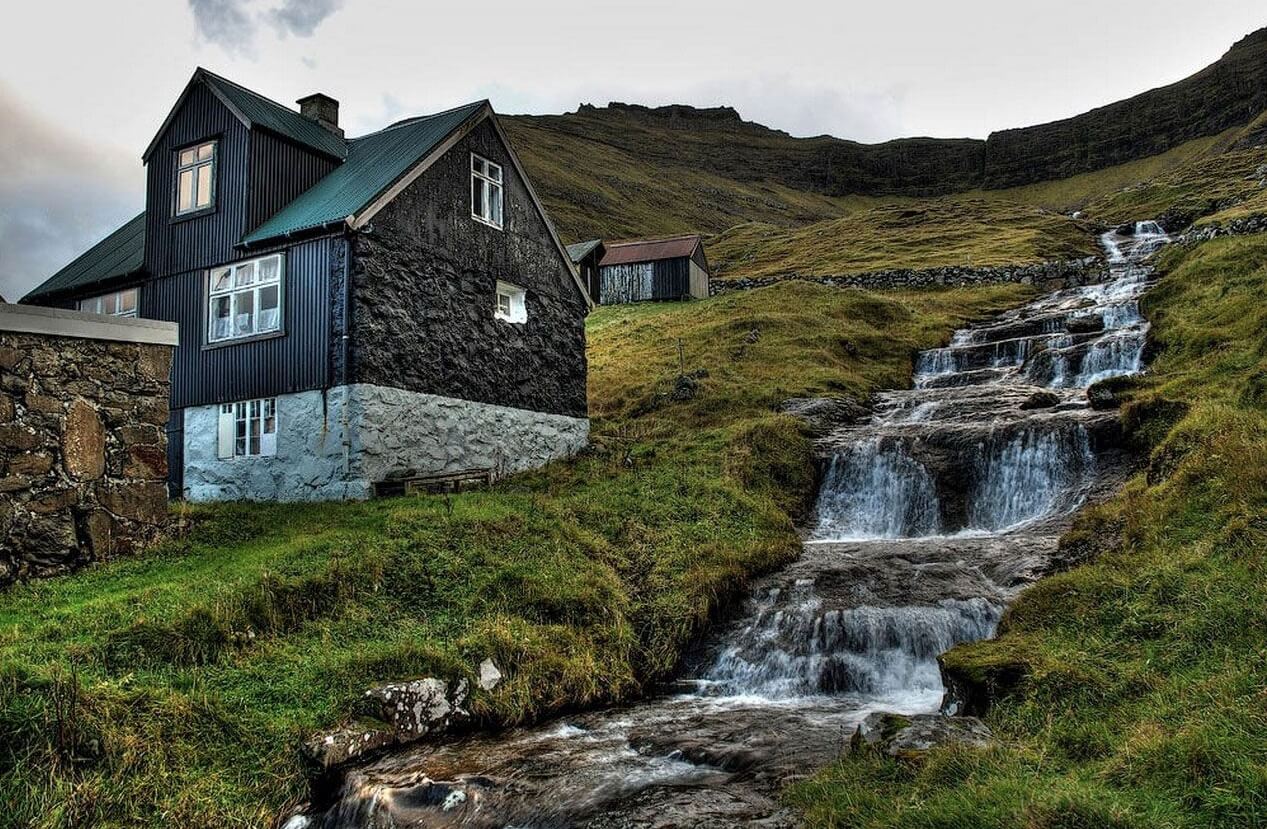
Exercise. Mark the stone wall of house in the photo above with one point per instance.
(336, 444)
(1046, 275)
(424, 288)
(83, 457)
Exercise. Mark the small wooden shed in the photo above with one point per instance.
(586, 256)
(646, 269)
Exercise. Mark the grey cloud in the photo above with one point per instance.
(302, 17)
(58, 196)
(225, 22)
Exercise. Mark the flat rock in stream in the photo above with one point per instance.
(908, 737)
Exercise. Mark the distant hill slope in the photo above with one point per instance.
(626, 170)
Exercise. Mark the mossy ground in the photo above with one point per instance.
(173, 689)
(1142, 698)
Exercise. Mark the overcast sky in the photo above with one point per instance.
(84, 85)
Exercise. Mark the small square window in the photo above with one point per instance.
(512, 303)
(248, 428)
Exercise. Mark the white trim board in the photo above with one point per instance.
(58, 322)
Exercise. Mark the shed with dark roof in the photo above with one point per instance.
(653, 269)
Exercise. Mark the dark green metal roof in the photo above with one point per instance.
(261, 111)
(374, 162)
(119, 255)
(582, 249)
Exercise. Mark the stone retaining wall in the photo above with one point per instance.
(1244, 226)
(83, 450)
(1047, 275)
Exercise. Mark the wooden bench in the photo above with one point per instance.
(438, 484)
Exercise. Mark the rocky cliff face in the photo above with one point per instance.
(1230, 92)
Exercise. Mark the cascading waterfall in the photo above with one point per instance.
(1029, 475)
(795, 647)
(875, 489)
(929, 518)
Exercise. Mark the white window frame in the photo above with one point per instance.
(487, 181)
(237, 282)
(511, 304)
(124, 303)
(192, 161)
(247, 429)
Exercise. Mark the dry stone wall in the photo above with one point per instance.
(1046, 275)
(83, 453)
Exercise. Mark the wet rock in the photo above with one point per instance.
(1040, 400)
(417, 708)
(342, 745)
(908, 737)
(824, 414)
(396, 713)
(1085, 324)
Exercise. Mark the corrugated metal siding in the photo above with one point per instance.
(635, 282)
(176, 453)
(177, 245)
(280, 171)
(295, 361)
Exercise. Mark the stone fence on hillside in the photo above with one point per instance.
(1243, 226)
(83, 446)
(1047, 275)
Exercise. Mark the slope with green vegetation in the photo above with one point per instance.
(926, 234)
(173, 689)
(1130, 690)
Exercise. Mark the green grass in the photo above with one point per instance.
(1139, 696)
(925, 234)
(173, 688)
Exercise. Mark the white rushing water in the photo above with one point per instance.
(930, 516)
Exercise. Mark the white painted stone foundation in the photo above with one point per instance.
(334, 445)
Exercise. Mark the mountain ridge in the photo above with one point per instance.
(628, 169)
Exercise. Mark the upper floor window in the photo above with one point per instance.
(116, 304)
(512, 303)
(196, 178)
(245, 299)
(486, 191)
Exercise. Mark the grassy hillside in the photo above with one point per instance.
(923, 234)
(172, 689)
(1132, 687)
(596, 190)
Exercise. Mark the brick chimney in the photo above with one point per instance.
(323, 109)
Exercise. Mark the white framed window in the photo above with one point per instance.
(245, 299)
(486, 191)
(116, 304)
(196, 178)
(512, 303)
(248, 429)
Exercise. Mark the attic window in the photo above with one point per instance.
(486, 191)
(195, 178)
(512, 303)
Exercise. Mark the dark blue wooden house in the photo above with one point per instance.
(353, 311)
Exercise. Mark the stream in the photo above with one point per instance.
(932, 515)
